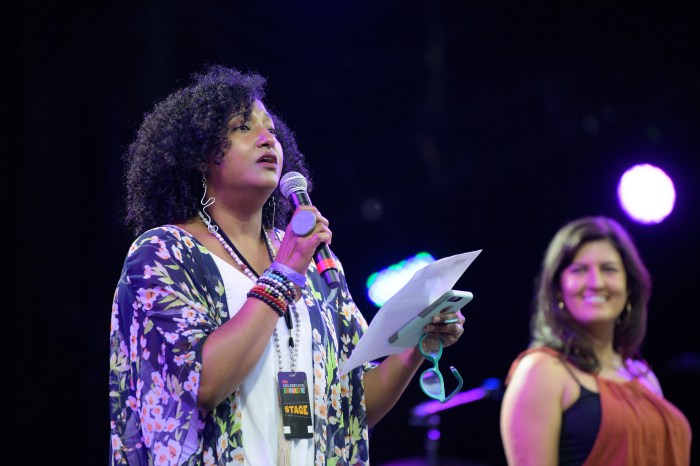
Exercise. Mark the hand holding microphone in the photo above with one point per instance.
(303, 222)
(293, 186)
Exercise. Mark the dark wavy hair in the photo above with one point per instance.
(166, 160)
(555, 327)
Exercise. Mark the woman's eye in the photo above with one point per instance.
(272, 131)
(241, 127)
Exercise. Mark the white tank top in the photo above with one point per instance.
(260, 409)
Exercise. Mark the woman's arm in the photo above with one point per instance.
(232, 351)
(531, 411)
(385, 384)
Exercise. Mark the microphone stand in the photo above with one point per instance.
(427, 414)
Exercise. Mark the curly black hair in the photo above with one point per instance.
(166, 160)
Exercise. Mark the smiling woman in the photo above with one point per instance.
(582, 394)
(594, 285)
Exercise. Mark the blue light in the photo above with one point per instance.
(384, 284)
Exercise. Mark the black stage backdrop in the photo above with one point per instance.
(440, 126)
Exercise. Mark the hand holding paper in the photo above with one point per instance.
(424, 287)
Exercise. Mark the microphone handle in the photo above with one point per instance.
(322, 256)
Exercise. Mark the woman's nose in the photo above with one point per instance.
(265, 138)
(594, 278)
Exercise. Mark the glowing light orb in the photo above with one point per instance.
(646, 194)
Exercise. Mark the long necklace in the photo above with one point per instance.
(228, 245)
(248, 270)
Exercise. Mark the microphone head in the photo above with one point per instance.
(292, 182)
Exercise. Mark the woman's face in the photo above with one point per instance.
(594, 285)
(254, 157)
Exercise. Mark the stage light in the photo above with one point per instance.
(646, 194)
(384, 284)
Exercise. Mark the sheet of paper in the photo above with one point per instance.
(424, 287)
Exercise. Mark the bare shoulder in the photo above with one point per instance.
(540, 361)
(540, 370)
(532, 407)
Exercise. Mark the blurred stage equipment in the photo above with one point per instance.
(427, 415)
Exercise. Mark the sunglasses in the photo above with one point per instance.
(431, 381)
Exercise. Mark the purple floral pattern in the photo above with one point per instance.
(170, 296)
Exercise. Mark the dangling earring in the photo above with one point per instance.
(628, 310)
(560, 305)
(210, 225)
(625, 315)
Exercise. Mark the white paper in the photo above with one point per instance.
(424, 287)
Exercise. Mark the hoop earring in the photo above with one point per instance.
(210, 225)
(270, 204)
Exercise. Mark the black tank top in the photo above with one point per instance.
(579, 426)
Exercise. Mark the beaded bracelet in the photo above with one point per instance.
(277, 279)
(289, 273)
(273, 293)
(275, 287)
(280, 307)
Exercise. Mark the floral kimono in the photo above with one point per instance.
(169, 298)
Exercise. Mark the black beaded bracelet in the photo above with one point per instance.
(277, 288)
(268, 301)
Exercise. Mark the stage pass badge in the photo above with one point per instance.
(296, 411)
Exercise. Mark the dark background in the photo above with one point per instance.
(444, 126)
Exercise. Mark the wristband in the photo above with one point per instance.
(292, 275)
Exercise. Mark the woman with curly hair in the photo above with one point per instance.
(225, 339)
(581, 394)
